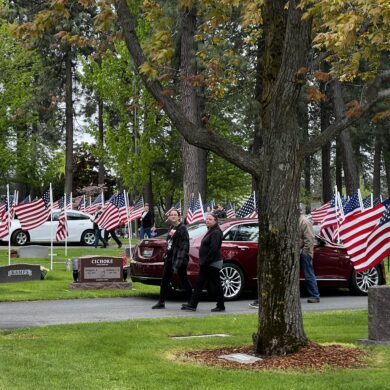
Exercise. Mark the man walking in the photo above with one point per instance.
(306, 239)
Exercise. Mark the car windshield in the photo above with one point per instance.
(196, 230)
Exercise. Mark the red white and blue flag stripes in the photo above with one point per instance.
(62, 228)
(110, 218)
(35, 213)
(195, 210)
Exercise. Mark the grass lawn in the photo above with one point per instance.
(55, 286)
(141, 355)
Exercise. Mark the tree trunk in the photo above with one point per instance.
(194, 159)
(339, 166)
(101, 170)
(386, 158)
(351, 176)
(68, 122)
(325, 115)
(280, 328)
(376, 181)
(303, 120)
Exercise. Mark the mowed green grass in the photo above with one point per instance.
(141, 355)
(56, 283)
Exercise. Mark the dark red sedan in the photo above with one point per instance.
(239, 251)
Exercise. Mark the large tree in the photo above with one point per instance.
(277, 163)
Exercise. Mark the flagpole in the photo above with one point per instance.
(9, 227)
(65, 210)
(51, 228)
(128, 219)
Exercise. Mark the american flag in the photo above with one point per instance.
(356, 228)
(137, 210)
(353, 205)
(230, 213)
(248, 209)
(92, 208)
(110, 219)
(210, 204)
(68, 203)
(84, 203)
(177, 206)
(62, 228)
(319, 214)
(35, 213)
(195, 210)
(6, 217)
(367, 202)
(378, 243)
(377, 200)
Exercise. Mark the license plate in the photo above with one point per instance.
(147, 252)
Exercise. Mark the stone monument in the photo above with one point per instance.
(378, 316)
(99, 272)
(20, 273)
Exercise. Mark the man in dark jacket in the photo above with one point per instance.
(210, 262)
(176, 258)
(146, 223)
(98, 230)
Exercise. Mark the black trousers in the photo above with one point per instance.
(113, 235)
(167, 277)
(211, 275)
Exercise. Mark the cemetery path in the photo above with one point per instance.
(41, 313)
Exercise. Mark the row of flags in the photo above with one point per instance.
(32, 214)
(197, 211)
(362, 226)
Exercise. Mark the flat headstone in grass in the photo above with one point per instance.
(20, 273)
(241, 358)
(200, 336)
(34, 252)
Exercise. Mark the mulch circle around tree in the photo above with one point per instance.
(311, 357)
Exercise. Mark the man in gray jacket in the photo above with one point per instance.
(306, 240)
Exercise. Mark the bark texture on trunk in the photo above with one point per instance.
(351, 175)
(325, 116)
(280, 329)
(339, 166)
(194, 159)
(68, 122)
(376, 181)
(386, 158)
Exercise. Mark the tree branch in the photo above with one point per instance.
(197, 136)
(372, 96)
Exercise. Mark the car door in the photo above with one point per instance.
(329, 261)
(77, 224)
(240, 246)
(43, 232)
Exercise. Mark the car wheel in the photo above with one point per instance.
(233, 281)
(88, 238)
(19, 238)
(361, 281)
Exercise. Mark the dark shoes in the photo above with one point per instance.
(254, 305)
(313, 300)
(217, 309)
(159, 305)
(186, 306)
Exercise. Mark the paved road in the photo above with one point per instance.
(41, 313)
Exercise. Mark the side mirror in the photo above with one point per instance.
(321, 243)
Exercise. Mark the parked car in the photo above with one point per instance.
(332, 265)
(80, 229)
